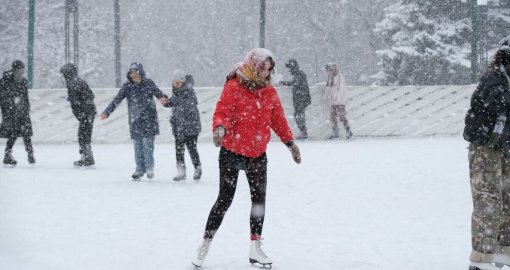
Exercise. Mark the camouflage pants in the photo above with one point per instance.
(490, 188)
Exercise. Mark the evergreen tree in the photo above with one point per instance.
(424, 42)
(13, 33)
(428, 42)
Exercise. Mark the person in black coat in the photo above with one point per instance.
(488, 132)
(185, 123)
(300, 95)
(15, 107)
(143, 117)
(81, 98)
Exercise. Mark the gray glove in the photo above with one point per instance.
(294, 150)
(218, 134)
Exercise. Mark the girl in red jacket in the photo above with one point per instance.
(249, 107)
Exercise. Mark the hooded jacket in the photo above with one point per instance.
(185, 119)
(490, 100)
(15, 107)
(142, 114)
(80, 95)
(300, 90)
(335, 92)
(248, 117)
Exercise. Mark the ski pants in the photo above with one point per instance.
(299, 116)
(256, 173)
(26, 139)
(85, 132)
(338, 114)
(189, 142)
(489, 174)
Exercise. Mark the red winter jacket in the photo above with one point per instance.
(247, 116)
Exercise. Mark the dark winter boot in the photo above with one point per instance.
(181, 172)
(136, 175)
(80, 162)
(334, 135)
(348, 133)
(9, 160)
(31, 158)
(198, 172)
(87, 159)
(482, 266)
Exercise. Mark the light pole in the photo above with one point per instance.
(71, 8)
(482, 34)
(30, 56)
(116, 11)
(474, 39)
(479, 16)
(262, 33)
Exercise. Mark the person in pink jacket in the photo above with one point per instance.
(335, 95)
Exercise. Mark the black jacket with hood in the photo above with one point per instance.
(80, 95)
(300, 90)
(490, 100)
(15, 107)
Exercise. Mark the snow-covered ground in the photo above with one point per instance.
(367, 204)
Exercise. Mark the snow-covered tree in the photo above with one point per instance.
(428, 42)
(424, 42)
(326, 31)
(13, 29)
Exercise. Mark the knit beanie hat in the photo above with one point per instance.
(179, 75)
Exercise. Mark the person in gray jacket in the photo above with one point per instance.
(300, 96)
(185, 123)
(143, 117)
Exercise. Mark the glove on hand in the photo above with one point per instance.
(293, 148)
(218, 134)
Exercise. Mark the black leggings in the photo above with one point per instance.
(26, 139)
(256, 172)
(191, 143)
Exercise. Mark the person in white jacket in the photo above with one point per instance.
(335, 95)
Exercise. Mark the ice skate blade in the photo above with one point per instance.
(90, 167)
(9, 166)
(261, 265)
(482, 266)
(196, 266)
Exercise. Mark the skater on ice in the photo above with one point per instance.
(248, 109)
(81, 98)
(185, 121)
(143, 117)
(335, 96)
(15, 108)
(300, 95)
